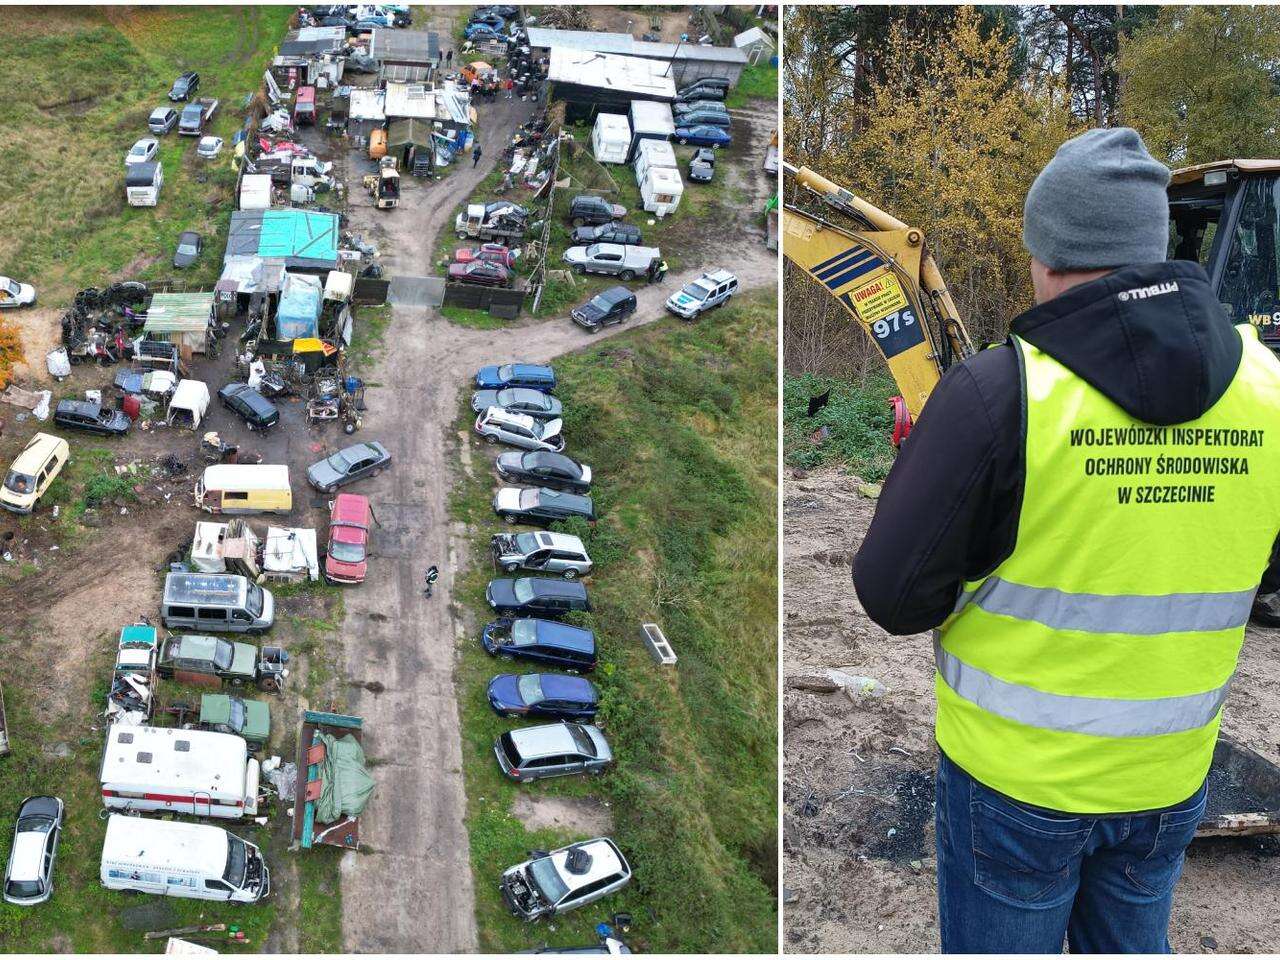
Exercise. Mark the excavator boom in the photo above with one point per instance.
(879, 271)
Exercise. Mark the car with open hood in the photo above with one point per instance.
(544, 551)
(550, 695)
(554, 882)
(515, 429)
(702, 166)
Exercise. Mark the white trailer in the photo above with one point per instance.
(660, 190)
(255, 191)
(611, 138)
(173, 859)
(196, 772)
(142, 183)
(653, 153)
(650, 120)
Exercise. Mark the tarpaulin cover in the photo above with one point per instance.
(301, 238)
(347, 783)
(299, 311)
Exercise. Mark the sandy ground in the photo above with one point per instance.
(858, 860)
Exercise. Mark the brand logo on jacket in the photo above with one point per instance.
(1142, 293)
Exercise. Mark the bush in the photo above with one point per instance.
(858, 420)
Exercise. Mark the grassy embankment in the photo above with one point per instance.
(852, 429)
(678, 422)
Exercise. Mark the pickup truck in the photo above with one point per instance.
(614, 259)
(195, 115)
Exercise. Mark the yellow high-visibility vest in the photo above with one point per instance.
(1088, 671)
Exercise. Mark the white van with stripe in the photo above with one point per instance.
(163, 769)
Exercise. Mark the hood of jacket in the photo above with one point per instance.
(1151, 337)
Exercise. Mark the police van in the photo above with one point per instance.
(172, 859)
(196, 772)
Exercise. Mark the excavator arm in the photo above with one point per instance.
(880, 272)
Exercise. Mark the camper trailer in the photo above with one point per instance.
(255, 191)
(611, 138)
(167, 769)
(172, 859)
(653, 153)
(660, 190)
(245, 488)
(142, 182)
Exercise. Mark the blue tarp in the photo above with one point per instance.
(299, 312)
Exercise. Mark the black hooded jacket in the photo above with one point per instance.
(949, 508)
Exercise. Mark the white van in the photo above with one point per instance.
(222, 602)
(166, 769)
(172, 859)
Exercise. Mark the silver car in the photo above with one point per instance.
(532, 403)
(515, 429)
(552, 750)
(347, 466)
(553, 883)
(612, 259)
(544, 551)
(28, 879)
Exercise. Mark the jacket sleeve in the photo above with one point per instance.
(949, 507)
(1271, 576)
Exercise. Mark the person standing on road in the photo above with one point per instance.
(508, 86)
(448, 58)
(475, 155)
(1083, 513)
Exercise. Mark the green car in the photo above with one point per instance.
(224, 713)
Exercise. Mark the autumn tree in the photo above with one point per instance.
(10, 349)
(1201, 82)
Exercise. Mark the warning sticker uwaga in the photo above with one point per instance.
(878, 298)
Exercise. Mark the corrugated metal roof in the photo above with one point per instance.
(610, 72)
(179, 312)
(626, 45)
(410, 100)
(366, 104)
(404, 73)
(413, 46)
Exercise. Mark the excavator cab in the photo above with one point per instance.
(1226, 217)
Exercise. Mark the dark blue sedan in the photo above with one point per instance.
(530, 375)
(543, 695)
(542, 641)
(703, 135)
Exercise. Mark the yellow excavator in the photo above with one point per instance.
(1225, 215)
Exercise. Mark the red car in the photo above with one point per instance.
(493, 252)
(480, 271)
(346, 557)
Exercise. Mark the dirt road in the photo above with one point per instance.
(412, 890)
(858, 857)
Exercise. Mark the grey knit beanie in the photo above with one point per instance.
(1100, 202)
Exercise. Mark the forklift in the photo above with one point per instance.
(384, 186)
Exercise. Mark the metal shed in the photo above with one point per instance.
(180, 318)
(417, 48)
(681, 62)
(302, 239)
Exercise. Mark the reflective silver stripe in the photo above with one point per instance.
(1096, 716)
(1107, 613)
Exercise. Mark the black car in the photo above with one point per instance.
(190, 244)
(607, 307)
(522, 504)
(547, 468)
(256, 410)
(185, 87)
(542, 641)
(611, 232)
(537, 596)
(699, 94)
(93, 417)
(585, 210)
(712, 87)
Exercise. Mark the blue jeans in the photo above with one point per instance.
(1013, 878)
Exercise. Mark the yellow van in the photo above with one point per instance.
(245, 488)
(31, 473)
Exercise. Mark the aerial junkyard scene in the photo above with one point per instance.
(388, 423)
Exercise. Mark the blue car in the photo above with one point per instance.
(543, 695)
(542, 641)
(530, 375)
(482, 31)
(703, 135)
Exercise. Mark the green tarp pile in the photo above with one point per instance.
(347, 784)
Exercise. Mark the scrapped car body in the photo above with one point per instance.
(531, 403)
(483, 272)
(493, 252)
(537, 596)
(554, 470)
(546, 642)
(28, 876)
(346, 558)
(604, 309)
(354, 463)
(91, 417)
(544, 551)
(199, 660)
(552, 883)
(516, 504)
(15, 294)
(227, 713)
(550, 695)
(552, 750)
(534, 376)
(612, 259)
(515, 429)
(702, 166)
(209, 147)
(190, 244)
(707, 292)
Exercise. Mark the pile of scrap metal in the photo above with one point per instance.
(284, 555)
(131, 699)
(99, 324)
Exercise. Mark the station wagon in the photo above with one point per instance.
(515, 504)
(91, 417)
(547, 642)
(552, 750)
(543, 695)
(544, 551)
(532, 403)
(537, 595)
(515, 429)
(552, 883)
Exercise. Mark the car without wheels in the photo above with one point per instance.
(533, 596)
(553, 883)
(544, 551)
(91, 417)
(493, 252)
(532, 403)
(524, 504)
(482, 272)
(604, 309)
(550, 695)
(552, 750)
(702, 166)
(354, 463)
(707, 292)
(257, 412)
(554, 470)
(28, 877)
(227, 713)
(587, 210)
(517, 430)
(611, 232)
(548, 642)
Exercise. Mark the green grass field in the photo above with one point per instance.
(678, 421)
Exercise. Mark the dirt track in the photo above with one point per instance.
(853, 773)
